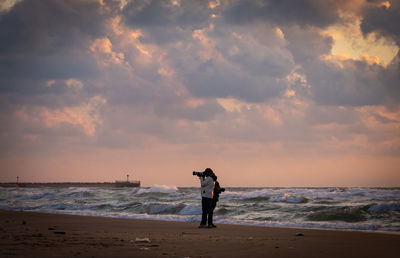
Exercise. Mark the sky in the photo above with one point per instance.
(264, 92)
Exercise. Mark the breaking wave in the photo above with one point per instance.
(158, 189)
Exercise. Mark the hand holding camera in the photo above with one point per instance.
(199, 174)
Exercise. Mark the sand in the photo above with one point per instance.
(30, 234)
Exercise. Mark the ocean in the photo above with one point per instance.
(372, 209)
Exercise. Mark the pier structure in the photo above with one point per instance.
(117, 183)
(73, 184)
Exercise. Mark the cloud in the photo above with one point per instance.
(85, 116)
(307, 44)
(338, 79)
(284, 12)
(47, 39)
(231, 61)
(210, 57)
(382, 17)
(165, 21)
(164, 13)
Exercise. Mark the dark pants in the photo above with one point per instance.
(207, 210)
(212, 208)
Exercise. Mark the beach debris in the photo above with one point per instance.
(59, 232)
(23, 222)
(299, 234)
(142, 240)
(250, 238)
(145, 248)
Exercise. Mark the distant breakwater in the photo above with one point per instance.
(73, 184)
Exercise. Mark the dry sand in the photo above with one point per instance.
(29, 234)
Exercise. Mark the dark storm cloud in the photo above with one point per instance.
(165, 21)
(43, 40)
(49, 39)
(225, 60)
(391, 78)
(223, 83)
(307, 44)
(283, 12)
(348, 83)
(258, 50)
(38, 92)
(251, 73)
(383, 20)
(165, 12)
(66, 64)
(155, 95)
(43, 43)
(35, 25)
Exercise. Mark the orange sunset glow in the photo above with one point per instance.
(266, 93)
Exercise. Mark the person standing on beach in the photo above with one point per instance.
(207, 192)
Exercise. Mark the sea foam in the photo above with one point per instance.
(158, 189)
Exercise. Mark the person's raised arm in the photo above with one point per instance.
(205, 181)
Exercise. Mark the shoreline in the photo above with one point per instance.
(34, 234)
(222, 223)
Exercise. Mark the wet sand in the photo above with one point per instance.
(30, 234)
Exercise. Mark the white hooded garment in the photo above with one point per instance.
(207, 187)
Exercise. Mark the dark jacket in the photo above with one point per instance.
(217, 191)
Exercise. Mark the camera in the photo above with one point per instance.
(222, 189)
(199, 174)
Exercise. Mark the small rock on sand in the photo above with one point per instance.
(142, 240)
